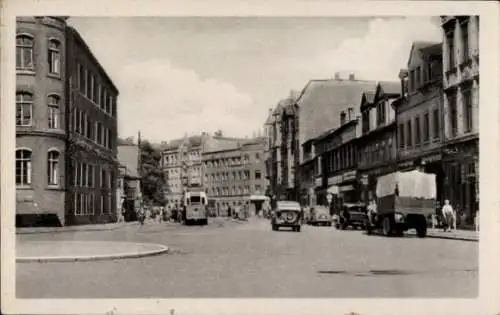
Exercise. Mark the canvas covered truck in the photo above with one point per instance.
(404, 201)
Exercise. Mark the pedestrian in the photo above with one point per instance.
(372, 211)
(449, 216)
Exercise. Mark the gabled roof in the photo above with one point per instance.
(421, 46)
(322, 101)
(387, 88)
(128, 156)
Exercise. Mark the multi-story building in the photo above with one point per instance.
(281, 130)
(461, 111)
(336, 151)
(128, 181)
(419, 112)
(182, 165)
(319, 106)
(65, 128)
(377, 151)
(235, 175)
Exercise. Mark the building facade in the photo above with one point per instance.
(319, 106)
(236, 176)
(337, 161)
(128, 192)
(377, 152)
(182, 166)
(58, 156)
(461, 112)
(419, 114)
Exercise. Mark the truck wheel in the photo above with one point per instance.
(275, 228)
(387, 226)
(421, 228)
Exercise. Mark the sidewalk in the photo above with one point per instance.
(462, 235)
(69, 251)
(73, 228)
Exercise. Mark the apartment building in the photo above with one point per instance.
(461, 111)
(419, 113)
(235, 175)
(66, 132)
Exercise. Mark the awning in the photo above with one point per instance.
(334, 190)
(347, 188)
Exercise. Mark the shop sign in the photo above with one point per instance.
(432, 158)
(349, 176)
(364, 179)
(346, 188)
(318, 182)
(334, 180)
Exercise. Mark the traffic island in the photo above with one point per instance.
(71, 251)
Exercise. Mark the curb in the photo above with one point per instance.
(72, 229)
(162, 250)
(456, 238)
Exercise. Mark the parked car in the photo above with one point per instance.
(287, 214)
(320, 215)
(350, 215)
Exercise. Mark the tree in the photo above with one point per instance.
(153, 178)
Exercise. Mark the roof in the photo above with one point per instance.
(427, 47)
(389, 87)
(128, 156)
(322, 101)
(82, 42)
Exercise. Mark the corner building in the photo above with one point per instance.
(461, 112)
(65, 128)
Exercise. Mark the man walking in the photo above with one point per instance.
(449, 216)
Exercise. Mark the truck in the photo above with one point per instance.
(404, 201)
(195, 206)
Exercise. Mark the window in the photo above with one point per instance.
(90, 84)
(464, 28)
(88, 127)
(99, 94)
(467, 103)
(113, 108)
(104, 97)
(23, 167)
(108, 104)
(81, 123)
(90, 175)
(411, 81)
(417, 131)
(366, 121)
(81, 78)
(426, 127)
(54, 112)
(98, 133)
(401, 130)
(409, 134)
(24, 52)
(53, 168)
(95, 91)
(435, 124)
(109, 145)
(451, 49)
(54, 55)
(257, 175)
(452, 104)
(380, 114)
(24, 108)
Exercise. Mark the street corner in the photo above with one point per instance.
(71, 251)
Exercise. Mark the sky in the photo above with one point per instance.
(187, 75)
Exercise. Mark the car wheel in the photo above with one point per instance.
(337, 226)
(297, 229)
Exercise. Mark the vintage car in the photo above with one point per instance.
(320, 215)
(287, 214)
(350, 215)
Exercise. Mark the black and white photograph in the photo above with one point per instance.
(250, 156)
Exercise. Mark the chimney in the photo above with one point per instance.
(350, 112)
(337, 76)
(351, 77)
(342, 118)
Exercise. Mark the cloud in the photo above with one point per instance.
(164, 102)
(381, 52)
